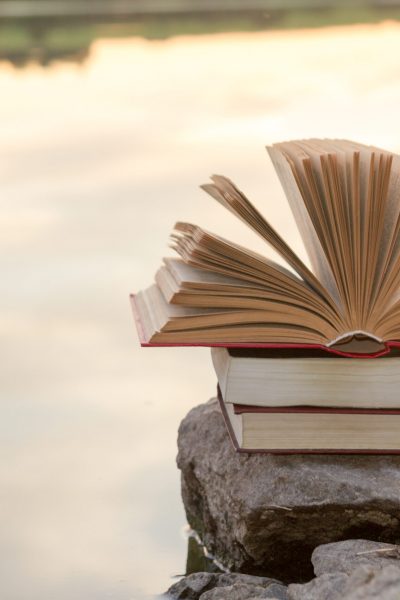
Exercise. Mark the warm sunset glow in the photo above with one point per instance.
(97, 162)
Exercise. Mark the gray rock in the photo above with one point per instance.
(346, 556)
(276, 591)
(225, 579)
(192, 586)
(256, 512)
(237, 591)
(197, 585)
(370, 584)
(365, 583)
(329, 586)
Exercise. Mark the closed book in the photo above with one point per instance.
(296, 377)
(312, 430)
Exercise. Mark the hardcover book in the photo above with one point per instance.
(311, 430)
(345, 200)
(296, 377)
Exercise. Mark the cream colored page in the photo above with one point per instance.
(335, 431)
(304, 223)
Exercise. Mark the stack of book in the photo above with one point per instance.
(297, 401)
(291, 341)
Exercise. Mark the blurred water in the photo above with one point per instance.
(97, 161)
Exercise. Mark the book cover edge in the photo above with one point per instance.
(147, 344)
(289, 451)
(239, 409)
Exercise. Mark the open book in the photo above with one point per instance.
(345, 198)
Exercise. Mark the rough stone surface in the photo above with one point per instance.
(238, 591)
(341, 576)
(346, 556)
(329, 586)
(369, 584)
(265, 514)
(192, 586)
(244, 591)
(276, 591)
(195, 586)
(365, 583)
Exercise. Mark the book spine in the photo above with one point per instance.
(290, 451)
(321, 410)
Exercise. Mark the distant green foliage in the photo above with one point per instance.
(45, 39)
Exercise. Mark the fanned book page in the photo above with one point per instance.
(345, 198)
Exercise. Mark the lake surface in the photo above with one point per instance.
(97, 162)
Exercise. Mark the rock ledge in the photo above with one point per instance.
(265, 514)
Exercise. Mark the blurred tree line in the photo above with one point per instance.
(48, 30)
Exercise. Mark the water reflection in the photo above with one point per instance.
(46, 31)
(96, 165)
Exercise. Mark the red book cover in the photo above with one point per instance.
(239, 409)
(318, 347)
